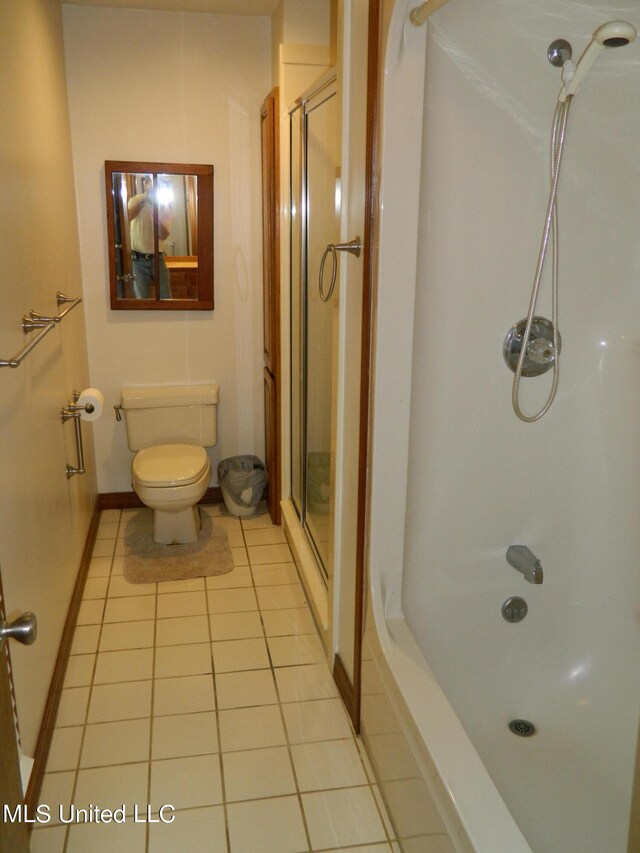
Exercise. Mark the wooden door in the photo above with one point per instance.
(270, 231)
(270, 423)
(271, 296)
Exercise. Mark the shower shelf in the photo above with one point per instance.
(45, 324)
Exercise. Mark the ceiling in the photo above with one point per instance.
(219, 7)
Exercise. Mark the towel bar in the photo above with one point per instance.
(45, 324)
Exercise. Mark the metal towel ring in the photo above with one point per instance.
(354, 247)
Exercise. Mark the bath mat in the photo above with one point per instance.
(146, 561)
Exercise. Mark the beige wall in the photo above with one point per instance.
(165, 86)
(277, 37)
(299, 22)
(44, 516)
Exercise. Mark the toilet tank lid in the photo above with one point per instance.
(156, 396)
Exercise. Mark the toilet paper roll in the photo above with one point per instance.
(94, 399)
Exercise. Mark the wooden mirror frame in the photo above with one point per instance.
(204, 174)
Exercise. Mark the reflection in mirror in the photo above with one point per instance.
(159, 219)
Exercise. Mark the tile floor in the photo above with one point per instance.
(211, 696)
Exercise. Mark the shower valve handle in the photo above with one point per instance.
(540, 351)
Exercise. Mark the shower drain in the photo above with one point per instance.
(522, 728)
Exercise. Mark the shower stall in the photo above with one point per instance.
(315, 223)
(324, 332)
(463, 656)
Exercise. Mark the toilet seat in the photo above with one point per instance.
(169, 465)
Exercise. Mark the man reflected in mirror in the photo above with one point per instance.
(145, 209)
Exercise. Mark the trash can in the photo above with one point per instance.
(319, 481)
(242, 480)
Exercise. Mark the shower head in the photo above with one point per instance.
(615, 34)
(611, 34)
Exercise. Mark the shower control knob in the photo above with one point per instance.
(541, 351)
(514, 609)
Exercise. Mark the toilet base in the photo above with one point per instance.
(176, 528)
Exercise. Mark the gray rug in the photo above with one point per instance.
(146, 561)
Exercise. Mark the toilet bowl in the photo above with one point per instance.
(171, 479)
(169, 428)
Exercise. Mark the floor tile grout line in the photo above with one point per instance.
(205, 754)
(227, 828)
(354, 739)
(200, 675)
(151, 717)
(384, 819)
(86, 714)
(283, 796)
(284, 726)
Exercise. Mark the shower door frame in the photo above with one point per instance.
(364, 18)
(323, 90)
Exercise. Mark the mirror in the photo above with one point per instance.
(160, 235)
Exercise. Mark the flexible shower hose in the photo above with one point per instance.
(550, 227)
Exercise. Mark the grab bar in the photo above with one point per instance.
(420, 14)
(45, 324)
(74, 411)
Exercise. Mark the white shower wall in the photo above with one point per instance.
(567, 486)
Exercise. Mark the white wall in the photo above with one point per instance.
(186, 88)
(44, 516)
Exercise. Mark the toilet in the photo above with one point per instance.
(168, 428)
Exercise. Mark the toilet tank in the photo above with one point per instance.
(170, 414)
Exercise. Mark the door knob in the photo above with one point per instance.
(24, 629)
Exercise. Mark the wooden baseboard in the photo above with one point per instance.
(347, 692)
(45, 734)
(129, 500)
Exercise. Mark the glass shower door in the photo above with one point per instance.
(322, 137)
(315, 212)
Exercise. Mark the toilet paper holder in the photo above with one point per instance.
(73, 410)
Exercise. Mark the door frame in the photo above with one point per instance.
(270, 149)
(322, 91)
(350, 688)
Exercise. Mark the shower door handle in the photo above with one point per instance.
(354, 247)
